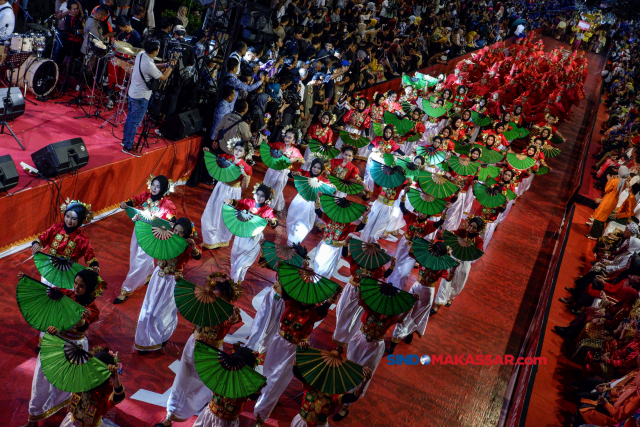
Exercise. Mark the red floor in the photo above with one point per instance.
(490, 317)
(552, 403)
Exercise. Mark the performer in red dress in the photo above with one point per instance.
(320, 131)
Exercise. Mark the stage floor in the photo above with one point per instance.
(491, 316)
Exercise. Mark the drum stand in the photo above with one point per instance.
(12, 62)
(80, 99)
(122, 96)
(96, 113)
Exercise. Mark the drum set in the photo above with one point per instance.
(37, 74)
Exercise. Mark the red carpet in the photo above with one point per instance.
(490, 317)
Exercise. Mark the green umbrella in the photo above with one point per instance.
(304, 285)
(59, 271)
(462, 248)
(341, 210)
(199, 305)
(437, 185)
(328, 371)
(274, 158)
(241, 223)
(424, 254)
(425, 203)
(368, 255)
(384, 298)
(159, 243)
(221, 169)
(309, 188)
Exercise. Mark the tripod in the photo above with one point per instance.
(13, 62)
(97, 76)
(80, 100)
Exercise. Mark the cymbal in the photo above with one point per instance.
(137, 50)
(126, 50)
(38, 27)
(118, 43)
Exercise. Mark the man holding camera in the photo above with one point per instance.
(183, 79)
(144, 80)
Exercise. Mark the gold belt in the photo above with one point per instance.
(293, 340)
(352, 282)
(334, 243)
(386, 201)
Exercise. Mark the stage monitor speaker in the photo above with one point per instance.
(12, 108)
(8, 173)
(61, 157)
(180, 126)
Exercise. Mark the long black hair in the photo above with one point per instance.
(90, 279)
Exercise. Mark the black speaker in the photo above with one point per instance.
(180, 126)
(12, 108)
(61, 157)
(8, 173)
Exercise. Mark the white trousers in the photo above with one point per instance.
(377, 223)
(244, 253)
(277, 180)
(159, 313)
(404, 265)
(266, 324)
(348, 313)
(449, 290)
(141, 267)
(215, 233)
(326, 260)
(417, 318)
(301, 217)
(365, 353)
(208, 419)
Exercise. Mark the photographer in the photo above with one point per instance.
(233, 125)
(183, 79)
(143, 80)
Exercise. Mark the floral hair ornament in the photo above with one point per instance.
(116, 359)
(170, 186)
(99, 289)
(633, 228)
(69, 205)
(268, 192)
(546, 117)
(332, 117)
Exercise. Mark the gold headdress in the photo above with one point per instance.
(170, 187)
(68, 203)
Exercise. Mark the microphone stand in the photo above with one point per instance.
(26, 15)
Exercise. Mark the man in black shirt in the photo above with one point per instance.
(162, 34)
(138, 21)
(182, 81)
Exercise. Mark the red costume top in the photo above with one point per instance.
(88, 408)
(250, 205)
(320, 177)
(358, 272)
(377, 113)
(78, 332)
(317, 406)
(388, 196)
(242, 164)
(176, 265)
(214, 335)
(358, 119)
(479, 90)
(385, 146)
(297, 322)
(321, 133)
(348, 172)
(428, 277)
(71, 246)
(375, 325)
(334, 232)
(292, 153)
(416, 228)
(226, 408)
(163, 208)
(477, 241)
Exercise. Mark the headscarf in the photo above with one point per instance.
(80, 210)
(261, 100)
(623, 173)
(164, 187)
(384, 132)
(316, 160)
(182, 16)
(90, 279)
(633, 228)
(479, 224)
(634, 245)
(266, 190)
(186, 225)
(326, 113)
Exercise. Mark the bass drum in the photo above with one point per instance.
(41, 75)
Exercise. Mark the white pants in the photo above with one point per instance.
(326, 260)
(278, 368)
(396, 222)
(208, 419)
(348, 313)
(46, 399)
(378, 220)
(449, 290)
(266, 324)
(468, 203)
(417, 318)
(188, 394)
(159, 313)
(215, 233)
(277, 180)
(141, 267)
(454, 213)
(244, 253)
(404, 265)
(488, 233)
(301, 217)
(68, 422)
(365, 353)
(299, 422)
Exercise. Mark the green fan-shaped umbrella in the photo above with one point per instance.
(354, 140)
(411, 170)
(522, 132)
(368, 255)
(433, 112)
(42, 306)
(159, 243)
(542, 171)
(386, 176)
(406, 107)
(377, 129)
(510, 194)
(549, 151)
(488, 171)
(326, 151)
(242, 223)
(199, 305)
(341, 210)
(274, 158)
(145, 215)
(401, 126)
(511, 134)
(462, 147)
(389, 159)
(520, 161)
(463, 165)
(221, 169)
(431, 155)
(305, 286)
(489, 196)
(309, 188)
(462, 248)
(226, 375)
(328, 371)
(415, 137)
(68, 367)
(274, 253)
(384, 298)
(416, 82)
(555, 139)
(436, 185)
(424, 254)
(425, 203)
(480, 119)
(431, 81)
(488, 155)
(59, 271)
(345, 186)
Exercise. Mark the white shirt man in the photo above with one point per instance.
(7, 19)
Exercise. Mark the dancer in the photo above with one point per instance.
(277, 179)
(88, 408)
(424, 290)
(296, 326)
(46, 399)
(155, 204)
(357, 121)
(159, 314)
(266, 324)
(380, 145)
(214, 233)
(301, 216)
(451, 288)
(344, 168)
(381, 211)
(348, 311)
(188, 393)
(320, 131)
